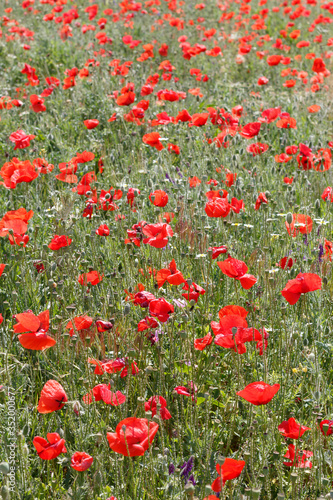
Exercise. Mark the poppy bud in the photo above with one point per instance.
(98, 478)
(208, 489)
(189, 489)
(76, 407)
(289, 217)
(4, 468)
(4, 493)
(325, 429)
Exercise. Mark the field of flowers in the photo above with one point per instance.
(166, 245)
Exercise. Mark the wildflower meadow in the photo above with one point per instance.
(166, 293)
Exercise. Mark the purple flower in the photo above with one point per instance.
(179, 303)
(179, 172)
(172, 469)
(167, 176)
(186, 469)
(321, 252)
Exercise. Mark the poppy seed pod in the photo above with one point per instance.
(4, 492)
(4, 468)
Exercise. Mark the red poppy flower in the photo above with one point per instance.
(52, 398)
(173, 148)
(327, 194)
(291, 429)
(107, 366)
(143, 298)
(288, 180)
(126, 99)
(314, 108)
(227, 322)
(257, 148)
(216, 251)
(37, 103)
(282, 158)
(198, 119)
(286, 123)
(15, 171)
(183, 116)
(273, 60)
(81, 461)
(2, 267)
(133, 436)
(300, 224)
(217, 207)
(184, 391)
(259, 393)
(329, 423)
(157, 234)
(103, 230)
(151, 405)
(81, 323)
(237, 205)
(21, 139)
(194, 181)
(229, 470)
(250, 130)
(261, 199)
(93, 277)
(159, 198)
(43, 166)
(153, 140)
(50, 448)
(262, 80)
(233, 310)
(147, 323)
(299, 459)
(102, 392)
(286, 262)
(318, 65)
(34, 330)
(303, 283)
(160, 309)
(200, 344)
(237, 269)
(193, 291)
(172, 275)
(59, 242)
(90, 124)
